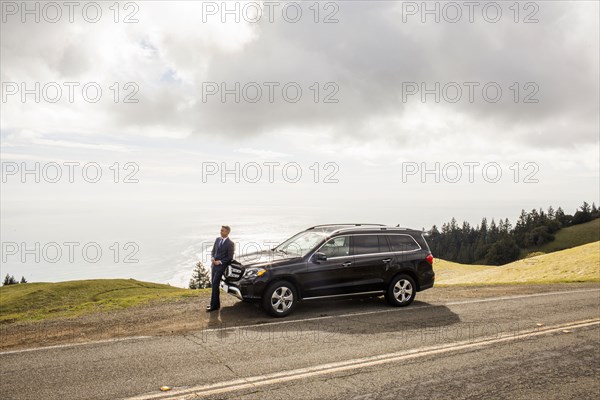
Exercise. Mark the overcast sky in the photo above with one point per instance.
(514, 87)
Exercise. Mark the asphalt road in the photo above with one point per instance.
(538, 345)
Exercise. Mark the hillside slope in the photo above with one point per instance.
(578, 264)
(569, 237)
(41, 300)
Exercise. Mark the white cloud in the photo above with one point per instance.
(261, 153)
(368, 54)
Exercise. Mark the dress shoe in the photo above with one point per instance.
(209, 309)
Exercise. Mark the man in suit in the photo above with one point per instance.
(222, 255)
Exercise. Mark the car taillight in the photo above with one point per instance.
(429, 259)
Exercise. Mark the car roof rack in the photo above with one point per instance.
(349, 225)
(378, 227)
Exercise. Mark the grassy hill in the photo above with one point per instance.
(36, 301)
(578, 264)
(569, 237)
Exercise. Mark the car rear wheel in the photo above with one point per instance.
(401, 291)
(280, 299)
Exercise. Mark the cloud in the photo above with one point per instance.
(364, 62)
(261, 153)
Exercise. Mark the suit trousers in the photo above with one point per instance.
(216, 274)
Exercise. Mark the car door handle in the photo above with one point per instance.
(347, 264)
(387, 260)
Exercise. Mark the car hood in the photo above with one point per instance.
(265, 258)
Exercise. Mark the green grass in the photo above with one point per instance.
(578, 264)
(37, 301)
(569, 237)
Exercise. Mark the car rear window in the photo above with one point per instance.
(403, 243)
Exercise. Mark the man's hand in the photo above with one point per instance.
(217, 262)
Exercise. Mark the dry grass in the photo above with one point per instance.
(578, 264)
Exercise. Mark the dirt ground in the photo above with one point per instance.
(185, 315)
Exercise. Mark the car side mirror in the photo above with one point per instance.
(319, 257)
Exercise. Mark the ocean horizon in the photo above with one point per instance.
(162, 250)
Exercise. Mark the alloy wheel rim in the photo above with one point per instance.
(403, 290)
(282, 299)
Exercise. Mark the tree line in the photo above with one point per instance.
(499, 243)
(10, 280)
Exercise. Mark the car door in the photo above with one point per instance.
(406, 253)
(331, 276)
(372, 257)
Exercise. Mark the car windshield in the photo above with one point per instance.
(299, 245)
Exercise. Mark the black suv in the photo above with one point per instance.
(331, 261)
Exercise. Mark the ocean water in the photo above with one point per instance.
(46, 244)
(251, 234)
(158, 233)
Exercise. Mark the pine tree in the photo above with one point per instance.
(200, 278)
(9, 280)
(507, 225)
(534, 219)
(493, 232)
(584, 215)
(453, 224)
(561, 217)
(23, 280)
(501, 228)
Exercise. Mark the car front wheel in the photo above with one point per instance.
(280, 299)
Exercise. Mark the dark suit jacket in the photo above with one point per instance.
(225, 252)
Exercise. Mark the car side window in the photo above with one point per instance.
(336, 247)
(403, 243)
(384, 246)
(370, 244)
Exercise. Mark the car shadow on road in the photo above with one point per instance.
(348, 316)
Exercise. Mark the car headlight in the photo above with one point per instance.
(254, 272)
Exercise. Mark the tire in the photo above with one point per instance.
(280, 298)
(401, 291)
